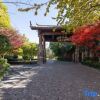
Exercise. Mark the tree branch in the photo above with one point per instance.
(23, 3)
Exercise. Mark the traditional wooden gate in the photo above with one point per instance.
(49, 34)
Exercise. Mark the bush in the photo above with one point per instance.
(11, 58)
(92, 62)
(3, 67)
(26, 58)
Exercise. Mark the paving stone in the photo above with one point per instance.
(51, 81)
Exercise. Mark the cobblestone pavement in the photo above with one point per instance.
(52, 81)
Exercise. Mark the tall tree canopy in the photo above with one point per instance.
(4, 16)
(75, 13)
(88, 36)
(71, 13)
(15, 39)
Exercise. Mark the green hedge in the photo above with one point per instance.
(92, 62)
(3, 67)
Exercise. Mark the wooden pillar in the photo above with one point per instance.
(42, 50)
(73, 56)
(77, 54)
(82, 56)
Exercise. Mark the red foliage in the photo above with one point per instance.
(87, 36)
(15, 39)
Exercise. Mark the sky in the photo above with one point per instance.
(21, 20)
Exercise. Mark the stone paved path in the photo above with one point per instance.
(53, 81)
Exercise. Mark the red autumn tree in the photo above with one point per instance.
(88, 36)
(15, 39)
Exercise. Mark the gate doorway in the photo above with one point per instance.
(49, 34)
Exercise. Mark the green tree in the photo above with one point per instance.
(33, 50)
(29, 50)
(60, 50)
(49, 54)
(56, 49)
(20, 52)
(75, 13)
(4, 16)
(5, 46)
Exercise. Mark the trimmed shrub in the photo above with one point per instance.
(3, 67)
(92, 62)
